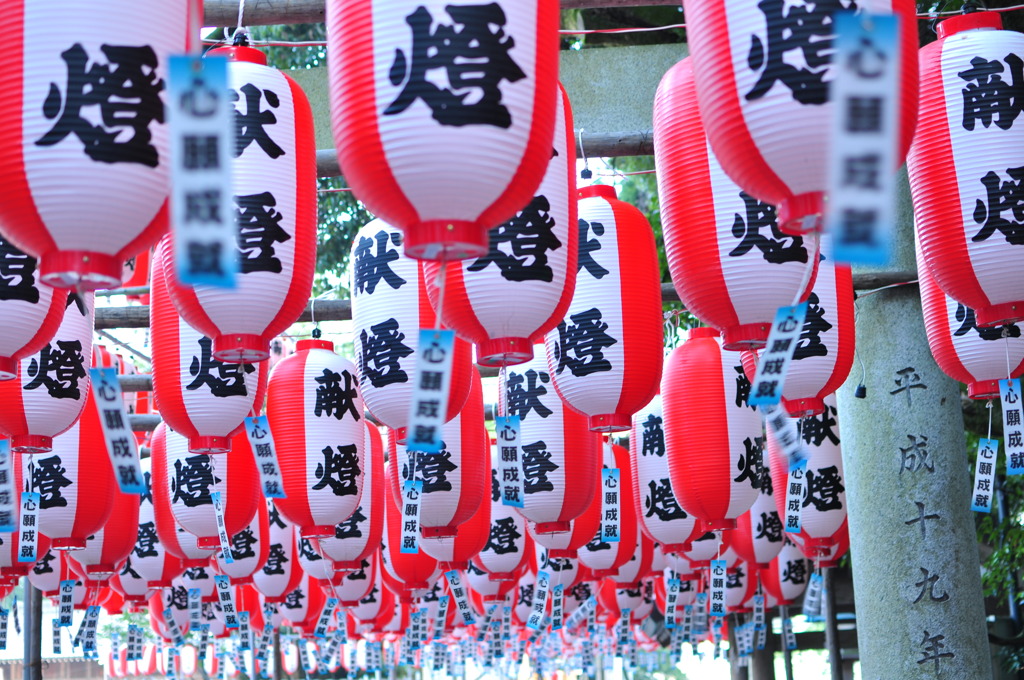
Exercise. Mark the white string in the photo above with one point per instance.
(811, 243)
(441, 275)
(1006, 346)
(989, 407)
(583, 152)
(241, 11)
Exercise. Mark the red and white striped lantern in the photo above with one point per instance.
(661, 517)
(250, 548)
(30, 312)
(412, 572)
(505, 552)
(85, 161)
(280, 573)
(106, 550)
(605, 558)
(963, 162)
(50, 569)
(963, 350)
(511, 297)
(714, 439)
(174, 600)
(200, 578)
(311, 561)
(10, 552)
(581, 529)
(199, 396)
(377, 599)
(316, 415)
(522, 597)
(730, 263)
(358, 537)
(181, 543)
(389, 307)
(758, 535)
(135, 274)
(555, 446)
(769, 121)
(740, 585)
(184, 484)
(455, 551)
(149, 562)
(48, 396)
(823, 509)
(489, 590)
(75, 481)
(455, 481)
(126, 583)
(357, 583)
(787, 575)
(638, 566)
(605, 355)
(486, 137)
(273, 178)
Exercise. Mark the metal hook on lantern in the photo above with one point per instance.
(585, 173)
(312, 317)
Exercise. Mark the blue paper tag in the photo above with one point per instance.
(257, 429)
(777, 355)
(610, 505)
(1013, 429)
(985, 475)
(429, 406)
(506, 432)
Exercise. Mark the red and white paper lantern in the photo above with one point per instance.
(149, 563)
(605, 356)
(605, 558)
(787, 575)
(280, 573)
(505, 552)
(581, 528)
(10, 553)
(511, 297)
(85, 161)
(273, 177)
(106, 549)
(30, 312)
(963, 161)
(410, 572)
(357, 583)
(316, 415)
(758, 535)
(455, 551)
(485, 136)
(250, 549)
(768, 120)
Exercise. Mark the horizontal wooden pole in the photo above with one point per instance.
(267, 12)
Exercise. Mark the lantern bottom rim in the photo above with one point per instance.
(445, 240)
(31, 443)
(347, 565)
(746, 336)
(8, 368)
(504, 351)
(438, 532)
(999, 315)
(801, 214)
(207, 542)
(195, 563)
(241, 580)
(719, 524)
(102, 570)
(15, 571)
(454, 565)
(674, 548)
(552, 527)
(802, 408)
(162, 583)
(610, 422)
(562, 554)
(983, 389)
(67, 543)
(317, 531)
(80, 269)
(209, 444)
(817, 544)
(240, 348)
(501, 577)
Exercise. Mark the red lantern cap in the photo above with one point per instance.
(601, 190)
(314, 344)
(704, 332)
(240, 53)
(969, 22)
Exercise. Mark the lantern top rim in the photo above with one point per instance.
(704, 332)
(240, 53)
(314, 344)
(598, 190)
(969, 22)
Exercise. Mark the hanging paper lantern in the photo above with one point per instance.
(661, 517)
(605, 557)
(455, 552)
(555, 447)
(85, 163)
(522, 601)
(963, 350)
(837, 550)
(727, 272)
(183, 484)
(511, 297)
(740, 586)
(106, 549)
(250, 548)
(757, 538)
(963, 162)
(179, 542)
(135, 274)
(411, 571)
(305, 601)
(823, 508)
(316, 415)
(489, 590)
(706, 547)
(199, 397)
(48, 396)
(454, 480)
(10, 553)
(605, 355)
(175, 600)
(273, 178)
(486, 139)
(46, 574)
(201, 579)
(377, 599)
(714, 439)
(280, 573)
(389, 307)
(75, 481)
(358, 537)
(29, 311)
(505, 551)
(356, 583)
(133, 589)
(769, 121)
(638, 566)
(311, 562)
(149, 562)
(581, 529)
(787, 575)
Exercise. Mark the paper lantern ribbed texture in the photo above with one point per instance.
(740, 587)
(129, 585)
(661, 517)
(638, 566)
(149, 561)
(389, 307)
(75, 481)
(964, 156)
(30, 311)
(786, 577)
(86, 177)
(566, 544)
(963, 350)
(714, 439)
(455, 552)
(10, 552)
(823, 510)
(485, 135)
(273, 176)
(356, 583)
(506, 301)
(605, 355)
(454, 480)
(48, 396)
(489, 590)
(561, 459)
(358, 537)
(106, 550)
(505, 551)
(769, 121)
(409, 572)
(373, 602)
(198, 396)
(280, 574)
(757, 538)
(184, 484)
(316, 415)
(250, 549)
(180, 543)
(730, 263)
(605, 558)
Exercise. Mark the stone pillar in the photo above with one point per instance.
(917, 586)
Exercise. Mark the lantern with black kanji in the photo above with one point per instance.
(758, 535)
(199, 396)
(714, 438)
(485, 137)
(250, 549)
(273, 177)
(511, 297)
(455, 551)
(85, 161)
(106, 549)
(605, 356)
(280, 573)
(602, 556)
(560, 457)
(768, 120)
(508, 541)
(316, 415)
(964, 167)
(49, 394)
(787, 575)
(409, 572)
(149, 563)
(356, 584)
(389, 307)
(11, 564)
(30, 312)
(580, 531)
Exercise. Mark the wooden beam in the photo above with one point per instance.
(267, 12)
